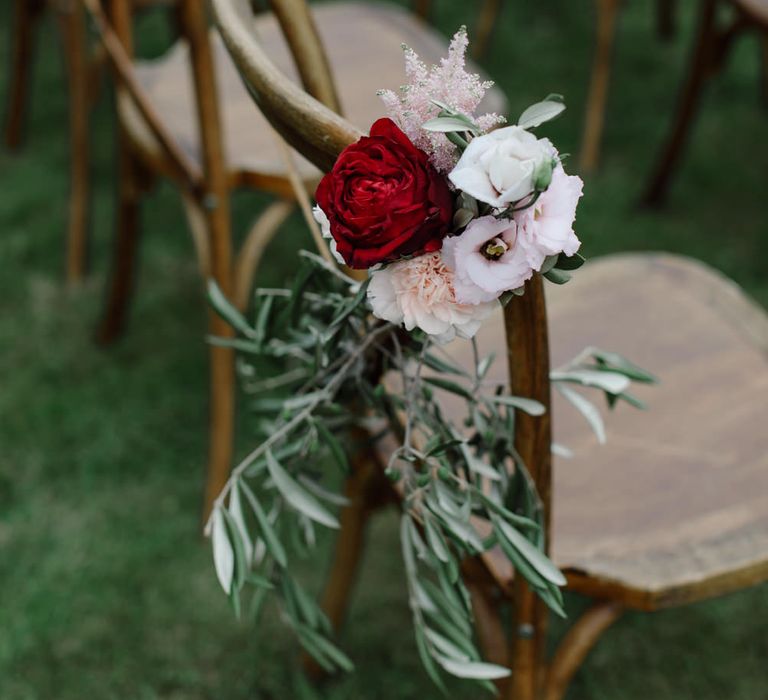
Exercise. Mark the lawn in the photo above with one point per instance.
(106, 589)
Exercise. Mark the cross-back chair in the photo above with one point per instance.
(83, 69)
(712, 42)
(188, 117)
(597, 99)
(673, 510)
(714, 38)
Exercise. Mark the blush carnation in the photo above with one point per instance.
(480, 276)
(419, 293)
(547, 227)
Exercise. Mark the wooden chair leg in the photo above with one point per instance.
(486, 22)
(489, 626)
(607, 17)
(252, 250)
(73, 31)
(665, 18)
(366, 490)
(222, 413)
(222, 391)
(124, 253)
(576, 646)
(701, 67)
(764, 66)
(25, 16)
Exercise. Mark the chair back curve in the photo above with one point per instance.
(307, 119)
(312, 125)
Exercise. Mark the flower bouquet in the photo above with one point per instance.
(450, 213)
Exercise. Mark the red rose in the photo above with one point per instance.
(384, 199)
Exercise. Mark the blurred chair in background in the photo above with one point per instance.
(672, 510)
(483, 30)
(188, 117)
(83, 69)
(712, 43)
(607, 18)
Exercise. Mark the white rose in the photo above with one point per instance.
(500, 168)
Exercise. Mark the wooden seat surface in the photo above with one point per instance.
(363, 42)
(675, 506)
(757, 9)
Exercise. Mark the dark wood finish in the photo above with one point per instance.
(576, 645)
(73, 31)
(712, 43)
(25, 15)
(525, 321)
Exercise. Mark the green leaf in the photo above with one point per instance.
(450, 124)
(549, 262)
(436, 540)
(557, 276)
(440, 365)
(242, 564)
(570, 262)
(227, 311)
(445, 646)
(332, 652)
(587, 409)
(297, 496)
(223, 554)
(477, 670)
(238, 517)
(334, 498)
(529, 406)
(442, 447)
(462, 530)
(450, 386)
(426, 658)
(612, 382)
(618, 363)
(271, 540)
(337, 451)
(485, 364)
(263, 318)
(534, 556)
(539, 113)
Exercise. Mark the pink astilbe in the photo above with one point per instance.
(449, 83)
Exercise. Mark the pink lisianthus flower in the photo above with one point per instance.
(419, 293)
(488, 259)
(546, 228)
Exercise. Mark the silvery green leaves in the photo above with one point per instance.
(537, 114)
(606, 371)
(315, 358)
(557, 268)
(457, 127)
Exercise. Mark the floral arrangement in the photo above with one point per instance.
(450, 213)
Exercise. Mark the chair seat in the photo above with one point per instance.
(675, 506)
(363, 42)
(757, 9)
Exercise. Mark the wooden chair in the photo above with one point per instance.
(82, 72)
(711, 47)
(674, 509)
(188, 117)
(607, 19)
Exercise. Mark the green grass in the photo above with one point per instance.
(106, 590)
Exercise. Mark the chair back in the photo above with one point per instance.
(310, 122)
(115, 29)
